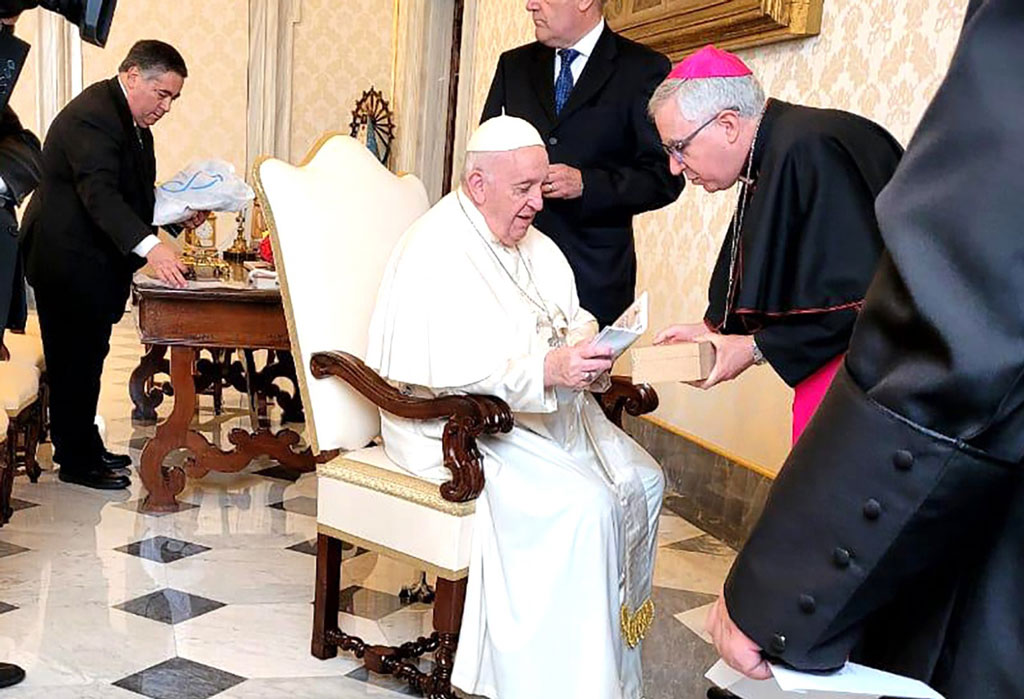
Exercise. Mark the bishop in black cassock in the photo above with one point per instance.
(897, 523)
(803, 244)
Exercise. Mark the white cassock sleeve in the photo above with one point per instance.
(520, 383)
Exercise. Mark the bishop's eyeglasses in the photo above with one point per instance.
(677, 149)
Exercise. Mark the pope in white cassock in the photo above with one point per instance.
(476, 300)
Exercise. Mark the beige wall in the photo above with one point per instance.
(342, 47)
(881, 59)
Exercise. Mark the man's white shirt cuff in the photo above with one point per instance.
(147, 244)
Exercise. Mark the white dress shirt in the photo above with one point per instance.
(586, 47)
(150, 241)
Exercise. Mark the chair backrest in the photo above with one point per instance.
(333, 222)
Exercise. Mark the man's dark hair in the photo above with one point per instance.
(150, 55)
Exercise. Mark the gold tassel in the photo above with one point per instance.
(635, 627)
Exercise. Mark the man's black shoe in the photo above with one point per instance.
(99, 478)
(112, 461)
(10, 675)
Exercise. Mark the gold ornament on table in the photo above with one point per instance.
(240, 250)
(199, 253)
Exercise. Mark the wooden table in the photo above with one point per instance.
(187, 320)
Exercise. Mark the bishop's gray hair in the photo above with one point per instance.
(700, 100)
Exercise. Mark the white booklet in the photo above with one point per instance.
(626, 330)
(852, 681)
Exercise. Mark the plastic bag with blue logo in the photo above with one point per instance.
(205, 185)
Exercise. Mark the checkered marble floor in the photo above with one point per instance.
(98, 600)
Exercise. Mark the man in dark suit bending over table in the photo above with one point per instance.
(86, 232)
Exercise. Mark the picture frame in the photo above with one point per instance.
(677, 28)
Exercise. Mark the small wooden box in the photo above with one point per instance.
(684, 361)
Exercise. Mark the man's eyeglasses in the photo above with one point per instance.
(677, 149)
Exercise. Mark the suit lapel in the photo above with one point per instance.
(542, 77)
(599, 69)
(134, 137)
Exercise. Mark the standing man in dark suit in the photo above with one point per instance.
(86, 232)
(585, 88)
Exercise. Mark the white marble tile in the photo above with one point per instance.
(694, 620)
(408, 624)
(246, 576)
(266, 640)
(70, 578)
(81, 524)
(100, 690)
(673, 528)
(306, 688)
(379, 573)
(686, 570)
(81, 644)
(235, 521)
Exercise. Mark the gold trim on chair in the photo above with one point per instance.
(399, 485)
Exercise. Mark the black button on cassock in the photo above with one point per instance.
(841, 557)
(553, 141)
(778, 644)
(872, 509)
(903, 460)
(808, 604)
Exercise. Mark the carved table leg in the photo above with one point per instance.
(147, 401)
(163, 485)
(259, 417)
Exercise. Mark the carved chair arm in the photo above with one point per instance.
(467, 417)
(635, 399)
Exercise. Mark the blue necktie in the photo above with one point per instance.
(563, 86)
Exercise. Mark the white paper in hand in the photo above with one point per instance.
(851, 682)
(626, 330)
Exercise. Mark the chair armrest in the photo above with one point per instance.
(467, 416)
(635, 399)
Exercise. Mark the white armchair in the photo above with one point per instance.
(334, 221)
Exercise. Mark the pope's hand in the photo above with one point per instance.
(562, 182)
(735, 647)
(734, 354)
(166, 264)
(577, 366)
(685, 332)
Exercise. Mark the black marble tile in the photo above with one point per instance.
(162, 549)
(179, 678)
(369, 604)
(347, 550)
(279, 472)
(674, 658)
(8, 549)
(302, 505)
(19, 504)
(389, 682)
(702, 544)
(169, 606)
(4, 607)
(136, 506)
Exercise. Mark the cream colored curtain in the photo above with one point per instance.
(271, 39)
(58, 55)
